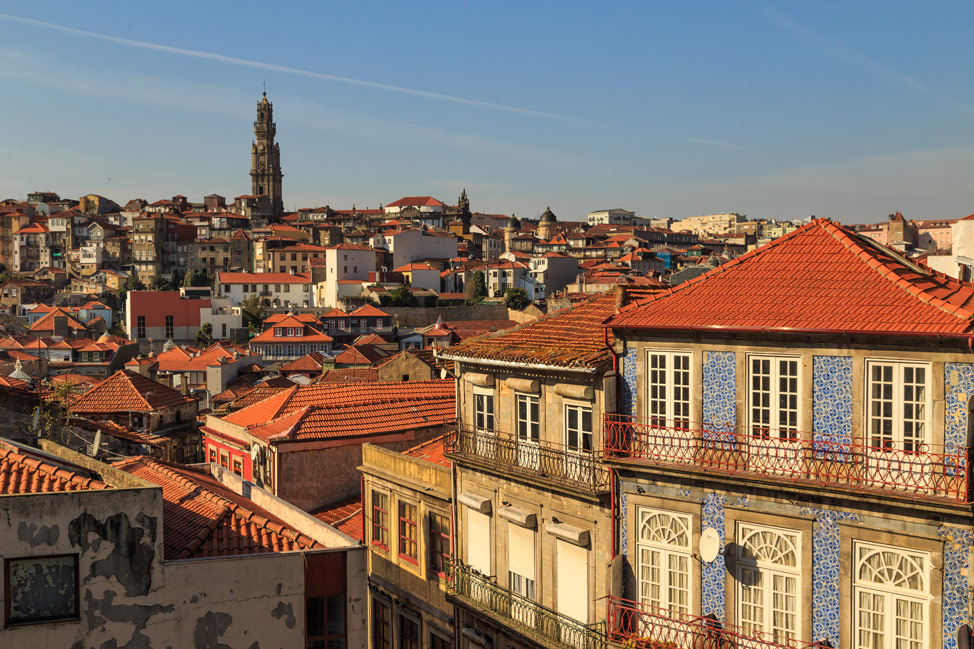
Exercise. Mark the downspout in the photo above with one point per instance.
(612, 474)
(361, 488)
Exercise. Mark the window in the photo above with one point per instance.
(578, 427)
(169, 326)
(380, 519)
(439, 542)
(381, 626)
(408, 532)
(41, 588)
(326, 622)
(140, 327)
(483, 410)
(478, 541)
(238, 466)
(571, 568)
(439, 642)
(280, 332)
(890, 587)
(668, 385)
(408, 633)
(212, 455)
(528, 424)
(520, 560)
(768, 581)
(773, 397)
(898, 406)
(663, 560)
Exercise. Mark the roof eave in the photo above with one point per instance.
(517, 364)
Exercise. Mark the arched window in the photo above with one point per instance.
(663, 562)
(891, 597)
(769, 581)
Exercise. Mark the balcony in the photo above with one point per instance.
(640, 626)
(538, 623)
(909, 469)
(582, 470)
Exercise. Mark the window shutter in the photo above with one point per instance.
(572, 575)
(520, 551)
(478, 541)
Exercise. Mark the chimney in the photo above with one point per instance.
(61, 326)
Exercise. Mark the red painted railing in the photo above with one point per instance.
(640, 626)
(915, 469)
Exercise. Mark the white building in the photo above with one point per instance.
(611, 217)
(274, 289)
(347, 268)
(553, 271)
(413, 245)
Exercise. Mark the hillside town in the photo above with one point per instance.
(429, 426)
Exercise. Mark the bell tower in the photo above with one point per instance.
(265, 154)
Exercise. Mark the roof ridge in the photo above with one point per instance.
(850, 239)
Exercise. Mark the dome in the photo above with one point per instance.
(548, 216)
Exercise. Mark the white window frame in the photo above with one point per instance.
(667, 553)
(668, 418)
(489, 418)
(773, 429)
(891, 594)
(532, 425)
(897, 419)
(580, 432)
(768, 572)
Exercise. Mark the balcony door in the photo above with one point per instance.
(521, 573)
(898, 426)
(773, 400)
(579, 465)
(890, 593)
(483, 442)
(663, 546)
(668, 436)
(528, 413)
(769, 582)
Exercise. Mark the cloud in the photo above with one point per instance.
(220, 58)
(725, 145)
(838, 50)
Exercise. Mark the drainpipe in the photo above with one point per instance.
(361, 488)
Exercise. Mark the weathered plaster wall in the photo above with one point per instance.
(128, 598)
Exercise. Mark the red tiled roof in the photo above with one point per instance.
(178, 359)
(338, 410)
(263, 278)
(350, 375)
(433, 450)
(360, 355)
(345, 516)
(22, 474)
(821, 277)
(312, 362)
(368, 311)
(567, 338)
(46, 323)
(309, 334)
(203, 518)
(126, 391)
(417, 201)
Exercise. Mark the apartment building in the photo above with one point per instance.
(410, 531)
(533, 523)
(793, 453)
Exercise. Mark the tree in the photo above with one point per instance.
(157, 283)
(402, 296)
(516, 298)
(52, 417)
(253, 312)
(204, 337)
(194, 278)
(133, 283)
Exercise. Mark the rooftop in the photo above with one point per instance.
(819, 278)
(126, 391)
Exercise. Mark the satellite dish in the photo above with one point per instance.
(709, 544)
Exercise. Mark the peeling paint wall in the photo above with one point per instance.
(129, 598)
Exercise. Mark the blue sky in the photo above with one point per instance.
(846, 110)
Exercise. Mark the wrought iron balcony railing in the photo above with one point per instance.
(641, 626)
(908, 468)
(576, 468)
(522, 614)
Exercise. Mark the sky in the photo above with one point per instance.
(777, 110)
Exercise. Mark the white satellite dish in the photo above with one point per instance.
(709, 544)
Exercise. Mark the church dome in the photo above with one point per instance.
(548, 216)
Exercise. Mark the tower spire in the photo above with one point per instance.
(265, 170)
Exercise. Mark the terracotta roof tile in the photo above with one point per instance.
(203, 518)
(345, 516)
(820, 277)
(567, 338)
(126, 391)
(433, 450)
(22, 474)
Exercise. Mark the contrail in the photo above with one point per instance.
(210, 56)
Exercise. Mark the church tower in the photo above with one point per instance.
(265, 154)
